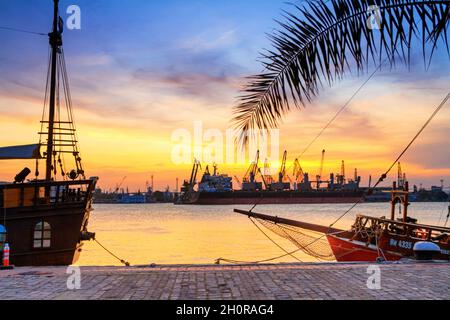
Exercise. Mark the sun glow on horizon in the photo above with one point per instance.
(133, 86)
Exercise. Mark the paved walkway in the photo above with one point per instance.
(289, 281)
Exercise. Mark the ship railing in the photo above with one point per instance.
(45, 193)
(406, 229)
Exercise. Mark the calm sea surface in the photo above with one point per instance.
(169, 234)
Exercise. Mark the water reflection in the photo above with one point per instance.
(168, 234)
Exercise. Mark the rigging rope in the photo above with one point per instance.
(23, 31)
(58, 151)
(76, 151)
(46, 97)
(344, 107)
(340, 111)
(446, 205)
(384, 176)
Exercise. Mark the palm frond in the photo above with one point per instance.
(325, 42)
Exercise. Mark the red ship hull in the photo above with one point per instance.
(346, 250)
(370, 238)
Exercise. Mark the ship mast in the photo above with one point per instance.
(55, 43)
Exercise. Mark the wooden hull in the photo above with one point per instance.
(66, 218)
(66, 226)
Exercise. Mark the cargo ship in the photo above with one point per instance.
(217, 189)
(239, 197)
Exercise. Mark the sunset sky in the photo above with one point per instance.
(139, 70)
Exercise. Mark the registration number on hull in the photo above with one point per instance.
(408, 245)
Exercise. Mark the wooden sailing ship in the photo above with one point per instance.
(369, 239)
(46, 220)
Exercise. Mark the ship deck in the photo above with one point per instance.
(334, 281)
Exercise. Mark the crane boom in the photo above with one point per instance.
(401, 176)
(195, 168)
(252, 170)
(282, 173)
(267, 175)
(256, 164)
(319, 176)
(120, 184)
(321, 164)
(343, 171)
(266, 186)
(298, 173)
(238, 181)
(283, 164)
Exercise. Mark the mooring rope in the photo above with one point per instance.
(126, 263)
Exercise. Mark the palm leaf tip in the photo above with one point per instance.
(321, 41)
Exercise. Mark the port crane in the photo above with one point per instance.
(280, 185)
(319, 176)
(289, 178)
(267, 176)
(249, 182)
(195, 168)
(282, 172)
(250, 175)
(120, 184)
(188, 186)
(298, 173)
(340, 177)
(207, 171)
(266, 185)
(238, 181)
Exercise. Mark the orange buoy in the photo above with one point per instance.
(6, 255)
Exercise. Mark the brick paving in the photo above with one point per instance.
(399, 281)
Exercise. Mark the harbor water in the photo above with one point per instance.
(144, 234)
